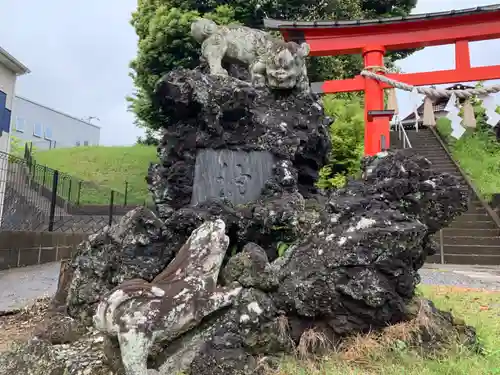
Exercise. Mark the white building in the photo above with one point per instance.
(10, 69)
(48, 128)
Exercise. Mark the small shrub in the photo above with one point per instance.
(347, 136)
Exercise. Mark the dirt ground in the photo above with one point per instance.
(21, 325)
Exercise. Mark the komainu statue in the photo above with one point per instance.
(271, 61)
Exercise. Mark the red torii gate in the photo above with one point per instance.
(372, 38)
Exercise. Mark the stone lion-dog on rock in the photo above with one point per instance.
(271, 61)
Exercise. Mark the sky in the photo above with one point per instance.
(443, 57)
(79, 54)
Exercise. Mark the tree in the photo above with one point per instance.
(150, 138)
(163, 28)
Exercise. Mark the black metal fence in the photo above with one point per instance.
(38, 198)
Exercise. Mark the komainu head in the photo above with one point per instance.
(286, 67)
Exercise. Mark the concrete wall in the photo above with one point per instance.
(7, 89)
(21, 249)
(49, 128)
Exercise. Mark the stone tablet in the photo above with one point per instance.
(238, 176)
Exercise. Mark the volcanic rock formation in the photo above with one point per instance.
(235, 187)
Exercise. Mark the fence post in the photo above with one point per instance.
(55, 181)
(441, 246)
(79, 192)
(126, 194)
(111, 202)
(69, 190)
(32, 174)
(44, 174)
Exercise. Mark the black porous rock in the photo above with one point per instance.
(310, 263)
(134, 248)
(216, 112)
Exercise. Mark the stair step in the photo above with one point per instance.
(481, 232)
(453, 171)
(442, 164)
(426, 145)
(439, 160)
(475, 203)
(461, 224)
(472, 250)
(476, 209)
(474, 217)
(424, 141)
(480, 260)
(434, 259)
(471, 241)
(434, 150)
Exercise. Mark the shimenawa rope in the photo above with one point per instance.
(428, 91)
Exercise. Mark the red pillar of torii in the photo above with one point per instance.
(373, 38)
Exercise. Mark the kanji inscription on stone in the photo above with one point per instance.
(238, 176)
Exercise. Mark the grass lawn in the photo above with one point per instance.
(102, 168)
(479, 309)
(478, 154)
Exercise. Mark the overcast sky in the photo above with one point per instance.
(443, 57)
(79, 52)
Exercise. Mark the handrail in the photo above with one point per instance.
(402, 133)
(486, 206)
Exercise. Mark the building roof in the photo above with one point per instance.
(438, 104)
(12, 63)
(58, 112)
(420, 110)
(274, 24)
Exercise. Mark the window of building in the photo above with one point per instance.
(38, 130)
(20, 124)
(77, 143)
(85, 143)
(47, 133)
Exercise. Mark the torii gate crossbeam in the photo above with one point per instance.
(372, 38)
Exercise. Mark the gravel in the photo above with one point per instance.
(467, 277)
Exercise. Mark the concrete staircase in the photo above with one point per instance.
(474, 237)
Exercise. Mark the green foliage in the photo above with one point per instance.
(282, 248)
(477, 152)
(106, 167)
(163, 28)
(148, 139)
(165, 43)
(347, 136)
(16, 146)
(478, 309)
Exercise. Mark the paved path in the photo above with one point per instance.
(20, 286)
(481, 277)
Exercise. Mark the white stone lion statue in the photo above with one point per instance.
(271, 61)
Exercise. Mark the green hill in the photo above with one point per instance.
(109, 167)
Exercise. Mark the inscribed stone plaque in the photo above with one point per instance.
(238, 176)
